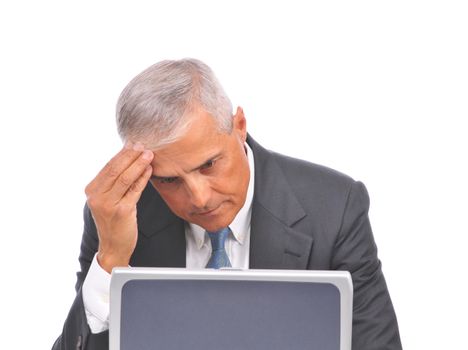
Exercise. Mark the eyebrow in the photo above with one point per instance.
(157, 177)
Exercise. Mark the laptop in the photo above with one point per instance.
(173, 308)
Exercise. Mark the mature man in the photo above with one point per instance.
(188, 174)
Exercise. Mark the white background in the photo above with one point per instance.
(375, 89)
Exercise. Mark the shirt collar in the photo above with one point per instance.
(241, 223)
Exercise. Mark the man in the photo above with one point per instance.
(189, 173)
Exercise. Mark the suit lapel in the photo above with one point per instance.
(275, 243)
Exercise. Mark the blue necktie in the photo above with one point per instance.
(219, 256)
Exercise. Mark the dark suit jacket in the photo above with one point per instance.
(304, 217)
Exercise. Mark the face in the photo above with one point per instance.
(204, 175)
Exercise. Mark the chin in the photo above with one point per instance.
(214, 224)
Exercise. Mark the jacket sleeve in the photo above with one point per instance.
(375, 325)
(76, 334)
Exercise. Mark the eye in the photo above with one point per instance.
(209, 164)
(165, 180)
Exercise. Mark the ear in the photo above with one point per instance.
(239, 124)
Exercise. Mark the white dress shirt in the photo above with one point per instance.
(96, 285)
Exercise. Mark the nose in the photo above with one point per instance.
(198, 191)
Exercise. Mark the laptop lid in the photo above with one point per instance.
(168, 308)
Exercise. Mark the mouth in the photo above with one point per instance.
(208, 212)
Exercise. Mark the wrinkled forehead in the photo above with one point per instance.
(201, 142)
(194, 126)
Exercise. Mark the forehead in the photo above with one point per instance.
(201, 141)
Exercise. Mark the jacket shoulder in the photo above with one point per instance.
(305, 175)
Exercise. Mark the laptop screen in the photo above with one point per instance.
(229, 310)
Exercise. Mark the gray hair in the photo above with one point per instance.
(153, 107)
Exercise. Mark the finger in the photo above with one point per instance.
(106, 178)
(134, 192)
(127, 179)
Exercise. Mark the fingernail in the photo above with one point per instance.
(147, 155)
(138, 146)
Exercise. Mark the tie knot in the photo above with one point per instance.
(218, 238)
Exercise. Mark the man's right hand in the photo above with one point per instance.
(112, 197)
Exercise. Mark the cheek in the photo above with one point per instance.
(225, 188)
(233, 180)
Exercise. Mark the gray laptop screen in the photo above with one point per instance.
(223, 314)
